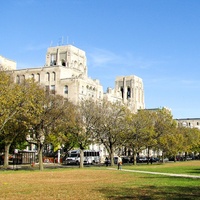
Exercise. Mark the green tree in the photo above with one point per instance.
(43, 121)
(191, 139)
(110, 126)
(62, 134)
(140, 131)
(17, 104)
(82, 125)
(165, 129)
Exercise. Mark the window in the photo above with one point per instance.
(66, 89)
(47, 76)
(63, 59)
(128, 92)
(82, 89)
(197, 123)
(53, 59)
(53, 76)
(122, 92)
(38, 77)
(17, 79)
(47, 89)
(53, 89)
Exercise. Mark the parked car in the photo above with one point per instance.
(125, 159)
(142, 160)
(155, 159)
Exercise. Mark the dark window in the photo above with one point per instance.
(53, 89)
(122, 92)
(128, 92)
(66, 89)
(47, 88)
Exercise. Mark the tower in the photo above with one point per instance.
(131, 91)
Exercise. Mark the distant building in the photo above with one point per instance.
(189, 122)
(7, 64)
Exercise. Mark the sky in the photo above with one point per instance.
(156, 40)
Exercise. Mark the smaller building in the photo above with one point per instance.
(189, 122)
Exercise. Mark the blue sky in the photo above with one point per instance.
(157, 40)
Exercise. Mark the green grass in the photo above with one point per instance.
(187, 167)
(100, 183)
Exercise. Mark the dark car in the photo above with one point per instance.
(125, 159)
(142, 160)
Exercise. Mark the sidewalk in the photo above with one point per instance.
(159, 173)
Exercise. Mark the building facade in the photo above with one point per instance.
(64, 73)
(189, 122)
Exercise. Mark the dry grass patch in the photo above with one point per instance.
(55, 184)
(93, 183)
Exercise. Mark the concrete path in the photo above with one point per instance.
(159, 173)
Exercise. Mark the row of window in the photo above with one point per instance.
(189, 124)
(52, 89)
(130, 95)
(48, 77)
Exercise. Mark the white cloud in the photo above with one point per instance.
(101, 57)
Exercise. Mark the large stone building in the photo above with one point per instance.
(65, 73)
(7, 64)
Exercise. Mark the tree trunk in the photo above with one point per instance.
(175, 158)
(6, 156)
(112, 157)
(148, 155)
(40, 158)
(81, 158)
(163, 157)
(134, 157)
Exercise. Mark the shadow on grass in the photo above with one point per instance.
(152, 193)
(195, 171)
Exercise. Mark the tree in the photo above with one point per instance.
(43, 121)
(17, 103)
(82, 125)
(191, 139)
(62, 134)
(110, 126)
(140, 131)
(10, 99)
(165, 129)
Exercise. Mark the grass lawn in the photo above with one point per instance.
(186, 167)
(101, 183)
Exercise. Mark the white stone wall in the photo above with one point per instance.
(7, 64)
(131, 90)
(73, 75)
